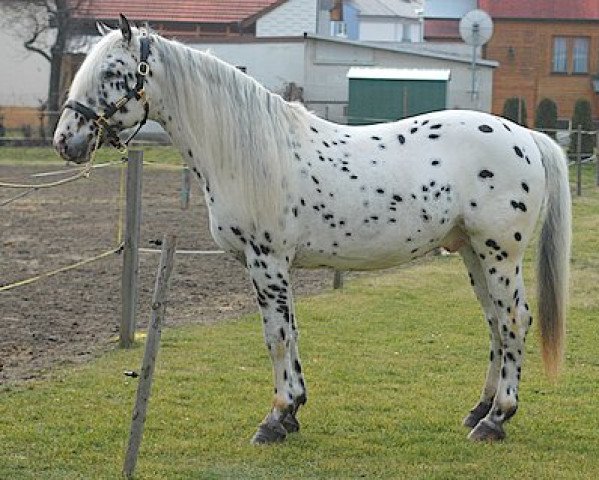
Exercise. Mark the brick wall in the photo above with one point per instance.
(524, 50)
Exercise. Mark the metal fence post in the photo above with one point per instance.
(130, 248)
(579, 161)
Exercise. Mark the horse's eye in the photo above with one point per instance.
(108, 74)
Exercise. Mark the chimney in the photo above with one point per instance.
(337, 11)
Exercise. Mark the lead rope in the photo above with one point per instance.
(83, 173)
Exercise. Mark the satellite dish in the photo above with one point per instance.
(476, 28)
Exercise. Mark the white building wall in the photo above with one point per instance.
(380, 31)
(272, 64)
(24, 75)
(326, 88)
(292, 18)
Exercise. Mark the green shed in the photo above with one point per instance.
(386, 94)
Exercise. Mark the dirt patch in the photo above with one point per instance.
(74, 316)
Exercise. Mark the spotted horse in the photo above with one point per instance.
(287, 189)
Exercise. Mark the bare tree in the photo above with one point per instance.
(45, 27)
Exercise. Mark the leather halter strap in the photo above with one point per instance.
(137, 93)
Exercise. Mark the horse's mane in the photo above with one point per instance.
(237, 131)
(242, 133)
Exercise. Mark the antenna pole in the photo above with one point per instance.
(473, 89)
(475, 43)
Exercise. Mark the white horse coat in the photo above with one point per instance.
(286, 188)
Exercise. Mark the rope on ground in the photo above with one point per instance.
(185, 252)
(27, 281)
(16, 197)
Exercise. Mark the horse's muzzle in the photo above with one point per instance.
(73, 149)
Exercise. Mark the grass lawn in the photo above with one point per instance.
(393, 362)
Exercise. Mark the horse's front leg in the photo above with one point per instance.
(270, 277)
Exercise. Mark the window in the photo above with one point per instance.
(338, 29)
(560, 55)
(580, 55)
(570, 55)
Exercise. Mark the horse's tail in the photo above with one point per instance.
(553, 254)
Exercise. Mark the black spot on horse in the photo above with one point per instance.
(492, 244)
(401, 139)
(486, 174)
(518, 205)
(518, 151)
(524, 187)
(485, 128)
(434, 136)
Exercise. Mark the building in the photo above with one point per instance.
(306, 46)
(545, 48)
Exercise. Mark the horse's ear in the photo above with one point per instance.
(125, 28)
(102, 28)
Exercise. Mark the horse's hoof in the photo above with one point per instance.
(477, 414)
(269, 431)
(488, 431)
(290, 423)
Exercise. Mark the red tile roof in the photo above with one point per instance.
(542, 9)
(194, 11)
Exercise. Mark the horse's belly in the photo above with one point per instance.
(371, 251)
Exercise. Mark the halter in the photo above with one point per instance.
(137, 92)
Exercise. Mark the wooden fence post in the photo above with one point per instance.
(579, 161)
(185, 188)
(338, 280)
(597, 160)
(130, 248)
(144, 388)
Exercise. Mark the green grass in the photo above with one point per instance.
(393, 362)
(162, 155)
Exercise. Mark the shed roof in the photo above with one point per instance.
(192, 11)
(399, 73)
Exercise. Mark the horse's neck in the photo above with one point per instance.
(188, 106)
(225, 125)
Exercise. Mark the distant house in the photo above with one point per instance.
(545, 48)
(389, 21)
(298, 48)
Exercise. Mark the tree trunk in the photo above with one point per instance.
(57, 53)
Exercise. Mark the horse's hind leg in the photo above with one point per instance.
(270, 277)
(501, 261)
(479, 285)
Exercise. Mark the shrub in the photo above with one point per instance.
(582, 116)
(510, 110)
(546, 116)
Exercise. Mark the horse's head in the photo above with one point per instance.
(106, 95)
